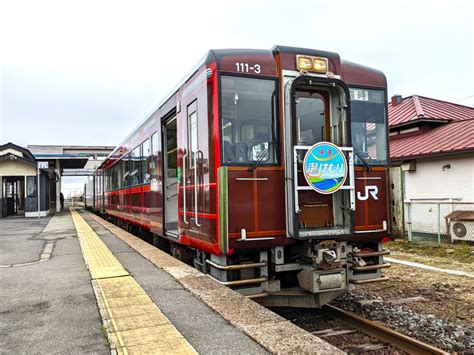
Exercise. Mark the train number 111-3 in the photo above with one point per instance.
(246, 68)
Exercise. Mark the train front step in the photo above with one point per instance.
(366, 263)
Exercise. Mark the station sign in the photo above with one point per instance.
(325, 168)
(43, 165)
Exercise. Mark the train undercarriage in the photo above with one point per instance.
(308, 275)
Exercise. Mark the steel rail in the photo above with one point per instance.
(376, 330)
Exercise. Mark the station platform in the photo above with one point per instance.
(74, 283)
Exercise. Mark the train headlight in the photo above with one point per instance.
(320, 65)
(313, 64)
(304, 63)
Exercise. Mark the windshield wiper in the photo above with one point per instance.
(362, 159)
(260, 157)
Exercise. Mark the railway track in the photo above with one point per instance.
(381, 332)
(353, 333)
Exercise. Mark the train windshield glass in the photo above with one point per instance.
(369, 125)
(248, 121)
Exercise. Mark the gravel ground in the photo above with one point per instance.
(445, 296)
(433, 307)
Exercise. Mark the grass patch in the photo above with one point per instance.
(452, 252)
(103, 330)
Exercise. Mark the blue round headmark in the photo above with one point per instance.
(325, 168)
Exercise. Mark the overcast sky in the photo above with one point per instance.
(87, 72)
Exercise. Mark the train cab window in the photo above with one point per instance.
(369, 125)
(145, 161)
(135, 167)
(248, 120)
(259, 136)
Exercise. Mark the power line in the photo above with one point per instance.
(464, 98)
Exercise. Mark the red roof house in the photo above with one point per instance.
(421, 127)
(432, 155)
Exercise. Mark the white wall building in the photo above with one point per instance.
(432, 174)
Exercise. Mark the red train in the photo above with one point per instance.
(268, 169)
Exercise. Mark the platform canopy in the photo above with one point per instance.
(71, 160)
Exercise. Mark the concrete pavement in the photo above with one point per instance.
(50, 306)
(46, 307)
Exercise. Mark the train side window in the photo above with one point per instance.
(154, 144)
(146, 154)
(135, 167)
(125, 171)
(113, 184)
(117, 174)
(114, 172)
(106, 179)
(193, 135)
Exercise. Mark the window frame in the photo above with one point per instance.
(276, 119)
(387, 129)
(125, 166)
(145, 161)
(132, 163)
(192, 110)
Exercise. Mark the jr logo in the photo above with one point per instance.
(369, 190)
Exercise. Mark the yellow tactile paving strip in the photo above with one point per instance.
(135, 323)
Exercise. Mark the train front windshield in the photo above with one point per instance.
(248, 121)
(369, 125)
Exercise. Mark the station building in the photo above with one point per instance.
(18, 175)
(19, 190)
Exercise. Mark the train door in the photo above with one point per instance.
(192, 174)
(155, 196)
(312, 126)
(320, 194)
(170, 163)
